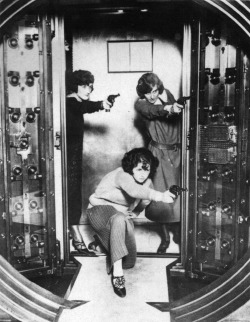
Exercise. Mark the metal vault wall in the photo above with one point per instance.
(238, 13)
(27, 175)
(218, 214)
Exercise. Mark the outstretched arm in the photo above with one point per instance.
(152, 111)
(86, 107)
(149, 110)
(90, 106)
(126, 182)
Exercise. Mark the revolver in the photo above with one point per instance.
(176, 190)
(182, 100)
(111, 99)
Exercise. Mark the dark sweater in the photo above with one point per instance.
(74, 115)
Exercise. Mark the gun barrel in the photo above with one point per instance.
(176, 190)
(182, 100)
(111, 98)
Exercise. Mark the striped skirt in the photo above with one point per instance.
(116, 233)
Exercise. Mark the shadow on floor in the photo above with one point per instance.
(180, 285)
(57, 285)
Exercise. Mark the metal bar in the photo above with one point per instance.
(48, 134)
(63, 138)
(6, 153)
(185, 144)
(3, 234)
(194, 102)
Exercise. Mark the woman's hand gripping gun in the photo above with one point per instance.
(182, 100)
(111, 100)
(176, 190)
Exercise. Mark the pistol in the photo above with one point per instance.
(111, 99)
(182, 100)
(176, 190)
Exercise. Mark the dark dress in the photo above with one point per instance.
(74, 134)
(165, 132)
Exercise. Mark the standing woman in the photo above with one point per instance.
(161, 113)
(79, 86)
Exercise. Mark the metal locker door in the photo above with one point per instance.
(27, 148)
(219, 225)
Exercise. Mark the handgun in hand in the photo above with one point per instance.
(177, 190)
(111, 98)
(182, 100)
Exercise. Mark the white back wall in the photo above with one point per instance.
(109, 135)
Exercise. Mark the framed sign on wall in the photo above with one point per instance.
(130, 56)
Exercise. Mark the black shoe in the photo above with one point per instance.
(163, 247)
(176, 229)
(177, 238)
(92, 246)
(97, 243)
(119, 285)
(81, 248)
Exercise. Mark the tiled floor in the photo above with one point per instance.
(146, 282)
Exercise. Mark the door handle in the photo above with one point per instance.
(58, 141)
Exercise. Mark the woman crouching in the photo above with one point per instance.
(121, 195)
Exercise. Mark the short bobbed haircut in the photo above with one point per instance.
(147, 82)
(78, 78)
(132, 158)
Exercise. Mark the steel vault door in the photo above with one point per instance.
(218, 224)
(27, 181)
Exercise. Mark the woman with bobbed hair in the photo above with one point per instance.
(161, 114)
(78, 78)
(79, 85)
(121, 195)
(147, 82)
(137, 155)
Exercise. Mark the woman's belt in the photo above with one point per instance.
(163, 146)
